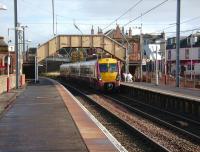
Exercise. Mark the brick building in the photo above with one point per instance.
(134, 52)
(4, 53)
(135, 59)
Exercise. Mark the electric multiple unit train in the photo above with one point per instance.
(103, 74)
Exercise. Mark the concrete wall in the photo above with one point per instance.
(12, 82)
(176, 104)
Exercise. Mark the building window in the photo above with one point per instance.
(190, 68)
(169, 41)
(199, 53)
(189, 41)
(169, 54)
(187, 53)
(173, 40)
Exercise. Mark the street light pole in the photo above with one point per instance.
(191, 43)
(165, 62)
(53, 17)
(36, 68)
(16, 44)
(127, 52)
(156, 65)
(178, 43)
(8, 72)
(141, 53)
(24, 44)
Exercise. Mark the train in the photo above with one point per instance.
(101, 74)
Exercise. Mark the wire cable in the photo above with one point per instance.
(185, 31)
(123, 14)
(145, 13)
(183, 22)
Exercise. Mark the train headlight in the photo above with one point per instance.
(118, 78)
(99, 78)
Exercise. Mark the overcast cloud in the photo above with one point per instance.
(37, 14)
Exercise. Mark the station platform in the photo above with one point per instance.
(186, 93)
(46, 117)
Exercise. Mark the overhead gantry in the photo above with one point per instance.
(81, 41)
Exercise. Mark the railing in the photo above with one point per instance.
(171, 81)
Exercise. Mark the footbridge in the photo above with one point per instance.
(81, 41)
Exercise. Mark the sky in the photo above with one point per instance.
(37, 15)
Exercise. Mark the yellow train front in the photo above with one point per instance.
(108, 74)
(103, 74)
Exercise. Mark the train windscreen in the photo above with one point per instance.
(108, 67)
(103, 67)
(113, 67)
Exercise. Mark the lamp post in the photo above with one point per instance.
(23, 28)
(156, 65)
(16, 43)
(127, 52)
(36, 67)
(178, 43)
(191, 43)
(165, 63)
(53, 8)
(164, 55)
(159, 43)
(141, 53)
(20, 46)
(8, 72)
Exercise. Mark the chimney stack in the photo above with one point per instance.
(92, 30)
(122, 30)
(100, 32)
(130, 31)
(126, 33)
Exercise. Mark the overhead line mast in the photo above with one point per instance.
(178, 43)
(53, 17)
(16, 43)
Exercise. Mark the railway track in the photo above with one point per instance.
(169, 144)
(185, 126)
(155, 146)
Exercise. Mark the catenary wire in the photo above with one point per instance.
(145, 13)
(132, 7)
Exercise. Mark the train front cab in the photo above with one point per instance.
(108, 74)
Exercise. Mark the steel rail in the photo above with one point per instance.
(164, 111)
(155, 119)
(151, 141)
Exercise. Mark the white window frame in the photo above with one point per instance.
(187, 53)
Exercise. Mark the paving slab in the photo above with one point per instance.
(39, 121)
